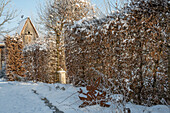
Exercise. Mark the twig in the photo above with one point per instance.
(66, 98)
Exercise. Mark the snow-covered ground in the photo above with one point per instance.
(29, 97)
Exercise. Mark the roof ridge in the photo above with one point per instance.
(22, 24)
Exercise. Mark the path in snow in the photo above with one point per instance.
(48, 103)
(18, 97)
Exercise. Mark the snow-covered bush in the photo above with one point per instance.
(129, 50)
(14, 58)
(56, 15)
(147, 25)
(36, 61)
(52, 59)
(94, 95)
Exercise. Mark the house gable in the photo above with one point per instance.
(27, 31)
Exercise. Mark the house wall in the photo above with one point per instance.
(2, 55)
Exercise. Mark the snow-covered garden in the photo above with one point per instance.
(117, 63)
(28, 97)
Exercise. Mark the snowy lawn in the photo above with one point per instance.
(29, 97)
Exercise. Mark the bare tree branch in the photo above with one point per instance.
(6, 15)
(56, 13)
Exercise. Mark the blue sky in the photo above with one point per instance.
(28, 8)
(24, 7)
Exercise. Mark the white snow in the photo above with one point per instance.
(18, 97)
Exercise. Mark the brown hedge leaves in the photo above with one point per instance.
(129, 49)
